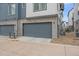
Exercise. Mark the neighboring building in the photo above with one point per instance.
(9, 15)
(76, 19)
(71, 19)
(32, 20)
(70, 16)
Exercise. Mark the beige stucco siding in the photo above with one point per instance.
(51, 10)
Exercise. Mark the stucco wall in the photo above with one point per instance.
(51, 10)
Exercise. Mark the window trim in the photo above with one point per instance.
(40, 7)
(12, 9)
(34, 7)
(23, 5)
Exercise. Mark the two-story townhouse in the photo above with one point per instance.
(43, 20)
(31, 20)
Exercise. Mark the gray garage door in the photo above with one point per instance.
(39, 30)
(6, 29)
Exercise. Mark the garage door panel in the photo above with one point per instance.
(6, 29)
(40, 30)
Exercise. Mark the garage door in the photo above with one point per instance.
(38, 30)
(6, 29)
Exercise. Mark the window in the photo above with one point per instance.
(61, 6)
(43, 6)
(11, 9)
(23, 5)
(39, 6)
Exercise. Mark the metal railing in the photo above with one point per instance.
(12, 35)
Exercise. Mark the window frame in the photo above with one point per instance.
(40, 7)
(23, 5)
(12, 9)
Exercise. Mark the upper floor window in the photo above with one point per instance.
(61, 6)
(39, 7)
(11, 9)
(23, 5)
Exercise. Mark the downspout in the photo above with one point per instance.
(57, 23)
(17, 18)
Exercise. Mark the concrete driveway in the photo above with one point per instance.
(20, 48)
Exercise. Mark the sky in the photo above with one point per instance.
(67, 7)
